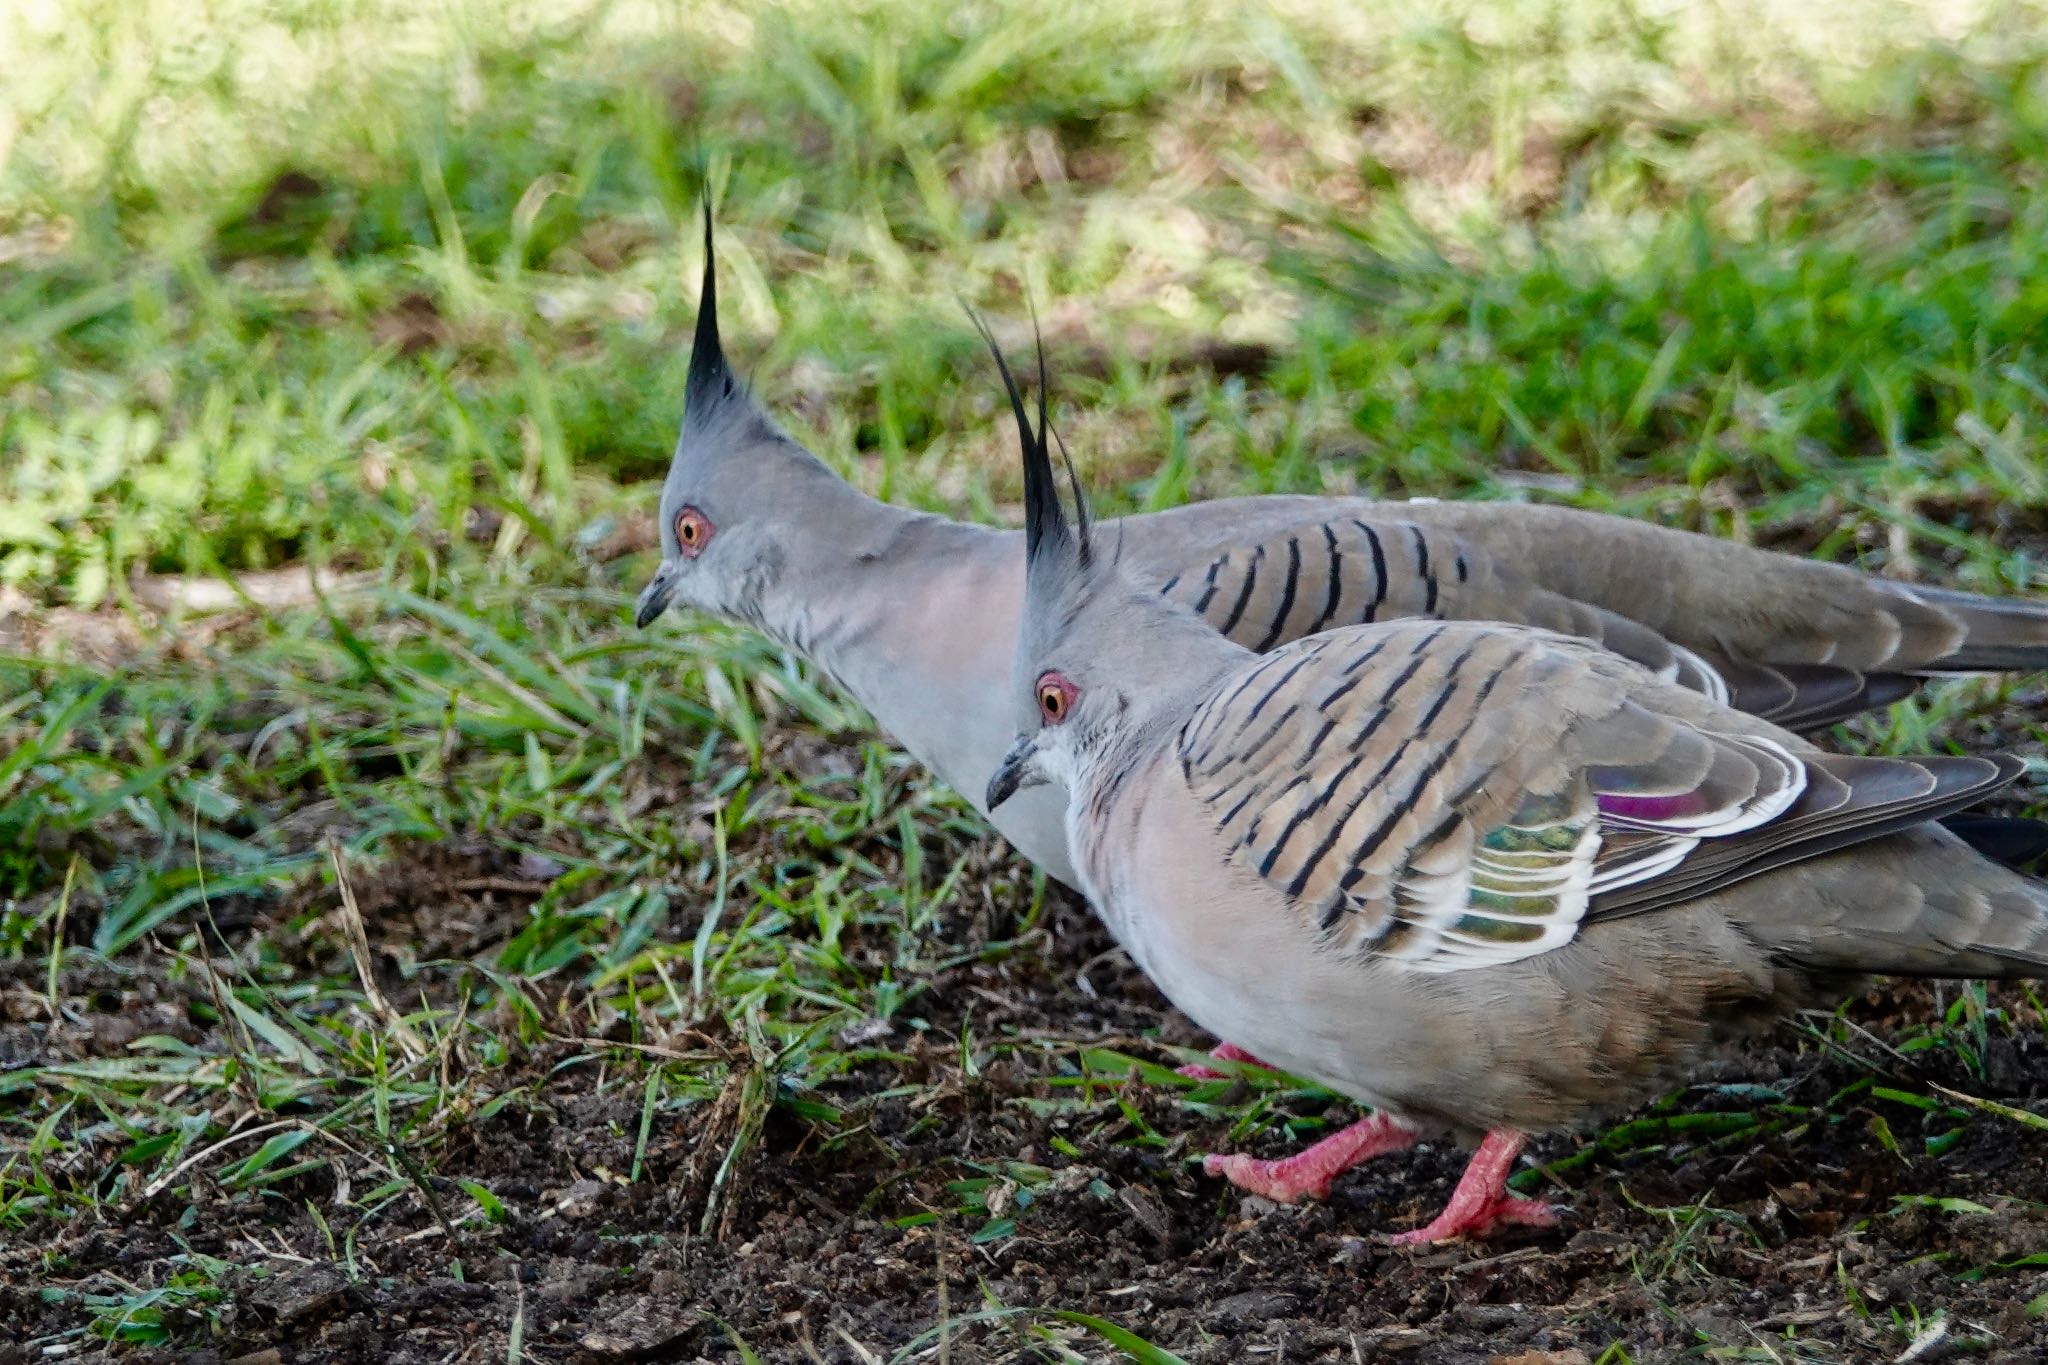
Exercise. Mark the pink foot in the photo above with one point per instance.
(1222, 1052)
(1309, 1172)
(1481, 1204)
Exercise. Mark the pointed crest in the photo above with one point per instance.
(1045, 521)
(711, 379)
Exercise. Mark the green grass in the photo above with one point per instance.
(405, 294)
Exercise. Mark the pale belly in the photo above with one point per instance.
(1537, 1044)
(1230, 956)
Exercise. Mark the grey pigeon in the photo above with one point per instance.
(1490, 880)
(915, 615)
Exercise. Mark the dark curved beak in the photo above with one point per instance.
(655, 597)
(1018, 770)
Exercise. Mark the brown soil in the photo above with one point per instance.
(1786, 1244)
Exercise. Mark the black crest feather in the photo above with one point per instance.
(711, 379)
(1045, 520)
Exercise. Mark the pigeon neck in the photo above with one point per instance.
(913, 614)
(916, 618)
(1175, 661)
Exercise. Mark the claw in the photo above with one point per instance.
(1310, 1172)
(1481, 1204)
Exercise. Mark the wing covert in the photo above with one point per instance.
(1452, 795)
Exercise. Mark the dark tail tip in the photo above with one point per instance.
(2011, 840)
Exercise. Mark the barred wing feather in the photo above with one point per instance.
(1449, 795)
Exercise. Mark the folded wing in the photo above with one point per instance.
(1450, 795)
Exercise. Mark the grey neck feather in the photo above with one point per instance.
(909, 613)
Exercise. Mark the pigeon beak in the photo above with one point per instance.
(655, 597)
(1019, 769)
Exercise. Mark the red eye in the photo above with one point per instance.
(1056, 697)
(693, 531)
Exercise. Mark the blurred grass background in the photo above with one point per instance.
(404, 292)
(312, 280)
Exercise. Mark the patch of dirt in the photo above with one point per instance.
(1783, 1239)
(413, 323)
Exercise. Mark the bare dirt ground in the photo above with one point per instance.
(1803, 1236)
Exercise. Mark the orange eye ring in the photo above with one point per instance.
(693, 532)
(1056, 697)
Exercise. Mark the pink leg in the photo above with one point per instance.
(1222, 1052)
(1310, 1171)
(1481, 1203)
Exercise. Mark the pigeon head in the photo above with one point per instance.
(1098, 658)
(726, 505)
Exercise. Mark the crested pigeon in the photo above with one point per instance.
(914, 615)
(1487, 879)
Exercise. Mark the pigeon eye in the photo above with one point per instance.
(693, 531)
(1056, 697)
